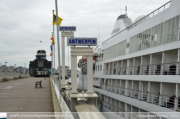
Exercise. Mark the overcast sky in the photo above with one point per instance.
(23, 23)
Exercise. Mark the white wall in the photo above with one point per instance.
(146, 60)
(155, 87)
(169, 89)
(171, 56)
(136, 85)
(138, 61)
(157, 59)
(145, 86)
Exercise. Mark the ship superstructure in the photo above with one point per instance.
(138, 67)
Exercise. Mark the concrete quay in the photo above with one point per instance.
(22, 96)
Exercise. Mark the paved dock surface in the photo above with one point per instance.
(21, 96)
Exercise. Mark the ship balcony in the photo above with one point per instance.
(163, 100)
(120, 112)
(154, 69)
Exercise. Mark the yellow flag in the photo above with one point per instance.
(54, 20)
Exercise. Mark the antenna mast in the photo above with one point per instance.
(126, 10)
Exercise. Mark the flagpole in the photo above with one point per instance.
(52, 58)
(59, 62)
(54, 47)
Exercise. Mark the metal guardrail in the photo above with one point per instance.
(155, 12)
(172, 68)
(170, 102)
(122, 113)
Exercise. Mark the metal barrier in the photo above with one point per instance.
(122, 113)
(154, 69)
(152, 98)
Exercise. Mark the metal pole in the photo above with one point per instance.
(14, 69)
(59, 62)
(5, 70)
(52, 58)
(54, 47)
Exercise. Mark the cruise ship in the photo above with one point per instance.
(137, 69)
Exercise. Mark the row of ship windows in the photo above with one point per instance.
(116, 50)
(161, 34)
(98, 68)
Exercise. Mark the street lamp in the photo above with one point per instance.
(14, 70)
(5, 70)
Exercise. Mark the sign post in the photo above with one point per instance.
(66, 31)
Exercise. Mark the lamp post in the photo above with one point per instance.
(5, 70)
(14, 69)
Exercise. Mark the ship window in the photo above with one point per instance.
(40, 64)
(131, 45)
(171, 30)
(146, 39)
(115, 50)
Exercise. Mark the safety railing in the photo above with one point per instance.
(129, 71)
(170, 68)
(155, 12)
(154, 69)
(134, 94)
(170, 102)
(122, 113)
(145, 70)
(123, 70)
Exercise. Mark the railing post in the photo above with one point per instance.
(160, 96)
(149, 89)
(176, 104)
(139, 92)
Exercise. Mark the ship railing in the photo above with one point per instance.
(111, 71)
(108, 87)
(119, 90)
(129, 70)
(143, 96)
(170, 102)
(128, 92)
(107, 71)
(122, 91)
(170, 68)
(153, 98)
(123, 70)
(122, 113)
(144, 70)
(155, 12)
(105, 87)
(134, 93)
(155, 69)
